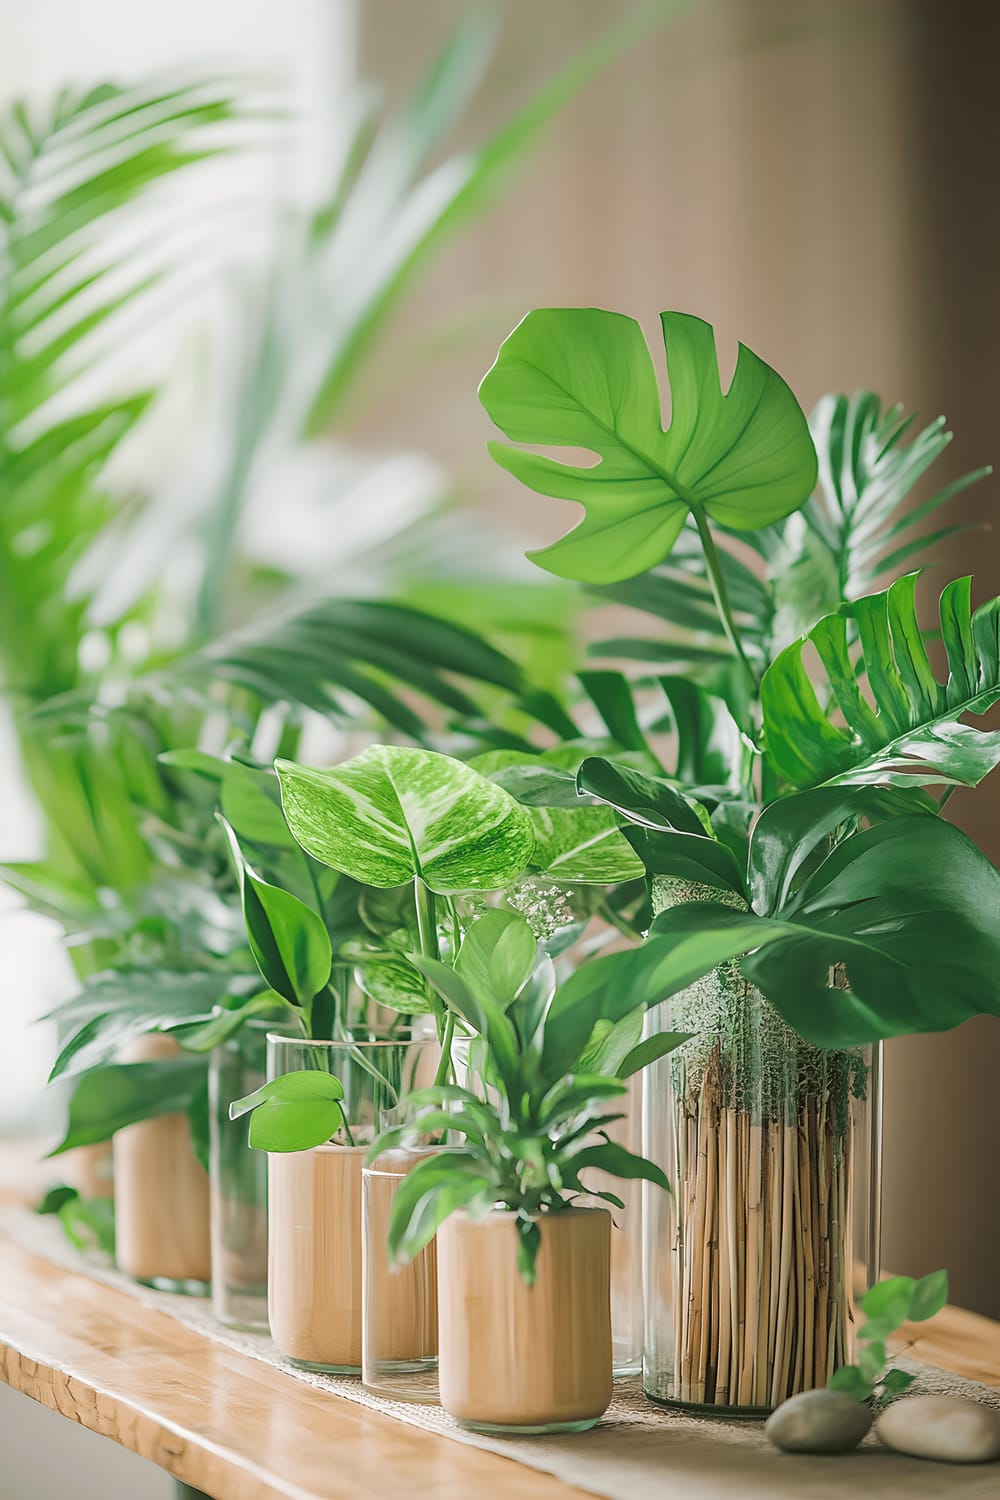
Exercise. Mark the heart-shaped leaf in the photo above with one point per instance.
(393, 813)
(583, 378)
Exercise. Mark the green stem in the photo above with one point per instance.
(444, 1065)
(426, 919)
(720, 593)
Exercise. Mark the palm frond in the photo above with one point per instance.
(869, 462)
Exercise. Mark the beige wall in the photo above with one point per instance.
(816, 177)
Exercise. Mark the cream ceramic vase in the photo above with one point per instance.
(161, 1192)
(518, 1358)
(314, 1256)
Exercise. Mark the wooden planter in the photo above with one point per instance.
(314, 1256)
(161, 1193)
(520, 1358)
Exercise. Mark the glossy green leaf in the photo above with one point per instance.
(478, 1009)
(391, 980)
(428, 1194)
(930, 1293)
(607, 988)
(889, 1301)
(289, 941)
(293, 1112)
(108, 1098)
(575, 840)
(497, 955)
(393, 813)
(911, 732)
(609, 1156)
(661, 1044)
(583, 378)
(910, 909)
(684, 856)
(646, 800)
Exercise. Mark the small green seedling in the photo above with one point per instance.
(294, 1112)
(887, 1307)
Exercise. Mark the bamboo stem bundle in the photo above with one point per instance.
(761, 1247)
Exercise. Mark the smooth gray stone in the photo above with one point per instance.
(818, 1422)
(948, 1428)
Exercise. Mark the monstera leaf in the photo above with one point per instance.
(910, 909)
(914, 734)
(583, 378)
(393, 813)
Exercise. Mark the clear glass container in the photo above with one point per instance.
(399, 1328)
(626, 1239)
(753, 1265)
(239, 1183)
(314, 1197)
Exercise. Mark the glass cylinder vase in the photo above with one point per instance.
(399, 1321)
(753, 1265)
(238, 1176)
(314, 1290)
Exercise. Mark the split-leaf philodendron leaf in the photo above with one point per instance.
(914, 733)
(393, 813)
(578, 377)
(910, 909)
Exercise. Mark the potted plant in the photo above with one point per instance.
(412, 830)
(811, 900)
(524, 1333)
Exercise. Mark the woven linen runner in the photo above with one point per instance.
(639, 1451)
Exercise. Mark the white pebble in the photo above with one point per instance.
(948, 1428)
(818, 1422)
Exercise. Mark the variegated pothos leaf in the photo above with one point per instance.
(393, 813)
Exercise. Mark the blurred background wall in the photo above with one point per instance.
(815, 177)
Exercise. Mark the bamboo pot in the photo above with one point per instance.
(314, 1256)
(519, 1358)
(161, 1193)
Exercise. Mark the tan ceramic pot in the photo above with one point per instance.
(314, 1255)
(514, 1356)
(161, 1191)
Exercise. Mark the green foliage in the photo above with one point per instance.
(88, 1223)
(393, 814)
(583, 378)
(544, 1119)
(288, 939)
(115, 1007)
(867, 468)
(914, 733)
(108, 1098)
(886, 1307)
(910, 909)
(294, 1112)
(573, 842)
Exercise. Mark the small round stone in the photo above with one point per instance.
(818, 1422)
(948, 1428)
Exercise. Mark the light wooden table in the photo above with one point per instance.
(240, 1430)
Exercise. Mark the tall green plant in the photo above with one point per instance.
(857, 876)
